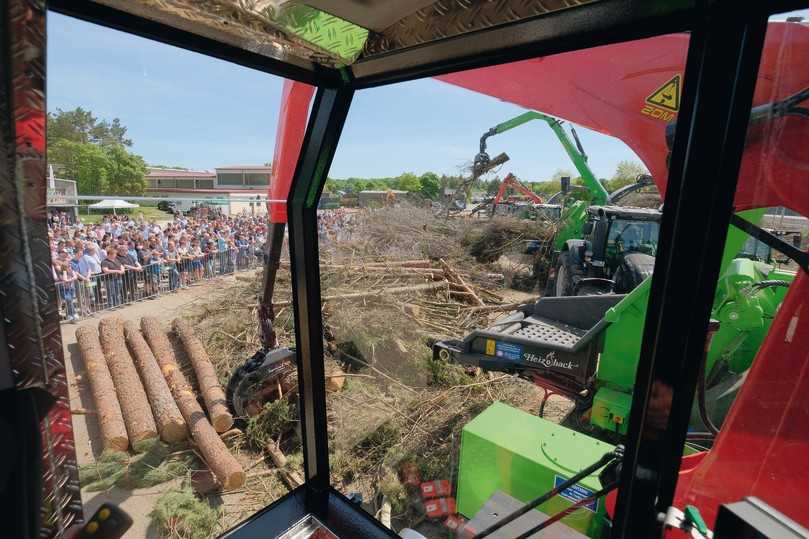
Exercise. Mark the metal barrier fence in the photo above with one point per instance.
(105, 291)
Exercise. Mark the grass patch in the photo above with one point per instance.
(179, 514)
(149, 212)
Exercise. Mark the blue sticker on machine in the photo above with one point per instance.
(576, 493)
(508, 350)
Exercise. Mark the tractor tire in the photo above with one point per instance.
(633, 270)
(563, 284)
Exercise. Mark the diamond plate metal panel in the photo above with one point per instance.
(254, 25)
(27, 291)
(449, 18)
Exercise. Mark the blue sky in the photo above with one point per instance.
(189, 110)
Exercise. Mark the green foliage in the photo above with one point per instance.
(491, 186)
(430, 185)
(179, 514)
(93, 152)
(84, 162)
(408, 181)
(79, 125)
(117, 468)
(626, 172)
(395, 492)
(126, 172)
(447, 374)
(275, 418)
(100, 169)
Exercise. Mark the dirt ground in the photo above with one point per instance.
(137, 503)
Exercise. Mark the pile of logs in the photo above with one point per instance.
(140, 392)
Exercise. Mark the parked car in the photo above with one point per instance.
(167, 206)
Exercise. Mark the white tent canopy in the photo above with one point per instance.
(113, 204)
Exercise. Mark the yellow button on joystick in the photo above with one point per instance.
(92, 527)
(104, 514)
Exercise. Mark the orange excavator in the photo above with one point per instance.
(511, 182)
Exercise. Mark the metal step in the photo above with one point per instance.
(549, 331)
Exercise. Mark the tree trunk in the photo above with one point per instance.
(216, 454)
(134, 405)
(108, 411)
(170, 422)
(212, 391)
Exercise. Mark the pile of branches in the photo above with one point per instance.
(501, 236)
(403, 280)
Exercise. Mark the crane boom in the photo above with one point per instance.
(578, 157)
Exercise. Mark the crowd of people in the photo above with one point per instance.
(338, 224)
(125, 258)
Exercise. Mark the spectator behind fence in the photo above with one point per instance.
(113, 276)
(132, 270)
(171, 259)
(65, 278)
(90, 265)
(82, 283)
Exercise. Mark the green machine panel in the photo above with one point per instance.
(524, 456)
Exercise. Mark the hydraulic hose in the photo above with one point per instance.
(761, 285)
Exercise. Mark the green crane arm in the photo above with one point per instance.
(600, 195)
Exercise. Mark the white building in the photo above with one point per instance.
(227, 187)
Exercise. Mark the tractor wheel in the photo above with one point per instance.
(633, 269)
(563, 285)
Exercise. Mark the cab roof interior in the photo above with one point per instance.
(371, 42)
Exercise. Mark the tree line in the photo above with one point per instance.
(430, 185)
(95, 153)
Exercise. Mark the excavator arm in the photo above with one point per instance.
(573, 149)
(512, 182)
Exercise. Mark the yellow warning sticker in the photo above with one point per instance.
(667, 96)
(490, 347)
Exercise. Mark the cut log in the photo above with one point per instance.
(170, 422)
(209, 386)
(218, 457)
(335, 377)
(291, 478)
(134, 404)
(108, 410)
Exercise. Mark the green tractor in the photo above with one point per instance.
(593, 245)
(615, 253)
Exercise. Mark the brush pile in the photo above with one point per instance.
(403, 279)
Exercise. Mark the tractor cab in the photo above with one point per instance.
(613, 231)
(615, 253)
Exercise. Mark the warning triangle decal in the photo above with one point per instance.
(667, 96)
